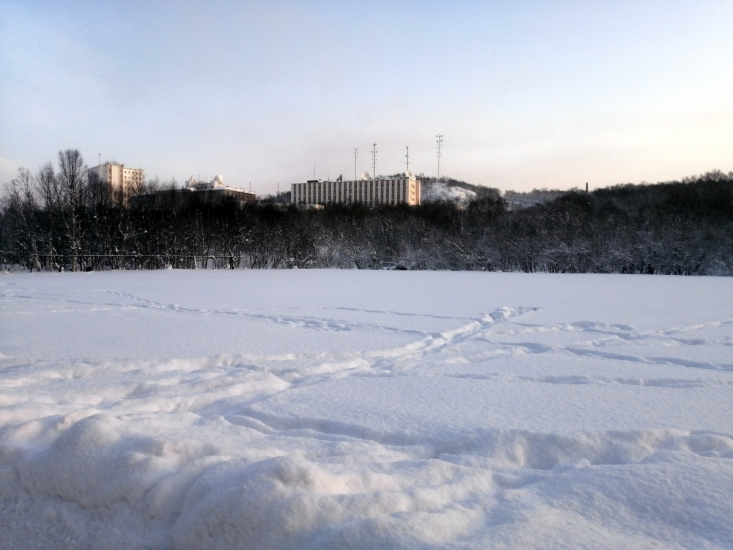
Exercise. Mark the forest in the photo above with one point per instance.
(61, 218)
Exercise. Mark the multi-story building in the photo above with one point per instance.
(120, 178)
(372, 192)
(217, 188)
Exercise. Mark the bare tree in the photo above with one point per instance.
(49, 193)
(22, 210)
(72, 180)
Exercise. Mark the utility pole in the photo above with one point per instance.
(440, 151)
(356, 153)
(407, 156)
(374, 161)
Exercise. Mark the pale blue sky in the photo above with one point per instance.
(527, 94)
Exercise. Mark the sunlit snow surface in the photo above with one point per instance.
(349, 409)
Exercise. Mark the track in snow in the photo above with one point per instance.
(511, 425)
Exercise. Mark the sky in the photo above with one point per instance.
(526, 94)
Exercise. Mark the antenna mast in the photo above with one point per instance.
(100, 159)
(439, 142)
(356, 152)
(407, 156)
(374, 161)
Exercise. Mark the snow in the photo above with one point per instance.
(365, 409)
(441, 191)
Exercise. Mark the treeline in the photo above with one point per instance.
(61, 219)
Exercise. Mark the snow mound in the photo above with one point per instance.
(442, 192)
(478, 410)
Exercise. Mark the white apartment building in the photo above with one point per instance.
(371, 192)
(119, 177)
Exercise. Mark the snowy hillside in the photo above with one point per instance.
(365, 409)
(440, 191)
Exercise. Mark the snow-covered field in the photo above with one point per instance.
(350, 409)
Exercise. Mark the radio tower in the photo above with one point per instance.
(356, 152)
(440, 151)
(407, 157)
(374, 161)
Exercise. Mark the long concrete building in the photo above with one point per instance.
(371, 192)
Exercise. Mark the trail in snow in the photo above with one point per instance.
(513, 412)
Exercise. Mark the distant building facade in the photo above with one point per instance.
(216, 188)
(119, 177)
(371, 192)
